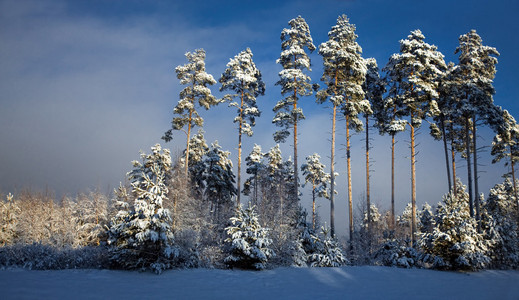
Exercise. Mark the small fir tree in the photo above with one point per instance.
(141, 238)
(314, 173)
(499, 220)
(454, 242)
(327, 253)
(248, 241)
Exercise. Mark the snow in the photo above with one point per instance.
(283, 283)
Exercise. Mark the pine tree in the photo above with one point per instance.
(344, 73)
(506, 145)
(475, 73)
(294, 83)
(255, 167)
(327, 253)
(314, 173)
(196, 93)
(416, 70)
(499, 220)
(242, 77)
(374, 88)
(219, 181)
(248, 241)
(454, 242)
(141, 237)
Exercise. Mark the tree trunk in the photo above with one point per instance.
(393, 181)
(446, 155)
(296, 173)
(187, 146)
(413, 185)
(453, 157)
(348, 161)
(238, 183)
(469, 165)
(332, 176)
(512, 163)
(313, 205)
(476, 189)
(368, 200)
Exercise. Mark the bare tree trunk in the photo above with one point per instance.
(348, 161)
(453, 157)
(313, 205)
(413, 186)
(187, 146)
(476, 189)
(296, 173)
(332, 175)
(469, 165)
(512, 163)
(238, 183)
(368, 201)
(446, 154)
(393, 181)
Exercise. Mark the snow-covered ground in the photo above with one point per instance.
(283, 283)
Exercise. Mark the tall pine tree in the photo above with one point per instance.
(242, 77)
(294, 83)
(196, 93)
(344, 72)
(416, 70)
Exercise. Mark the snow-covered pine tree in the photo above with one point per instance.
(248, 241)
(446, 104)
(314, 173)
(344, 72)
(294, 83)
(196, 93)
(198, 148)
(474, 77)
(255, 167)
(328, 253)
(506, 145)
(454, 242)
(416, 70)
(9, 213)
(426, 219)
(374, 88)
(242, 77)
(141, 238)
(219, 182)
(499, 220)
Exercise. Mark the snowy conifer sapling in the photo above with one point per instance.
(314, 173)
(141, 238)
(248, 241)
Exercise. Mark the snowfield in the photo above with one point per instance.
(364, 282)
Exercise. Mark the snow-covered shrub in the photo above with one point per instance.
(454, 242)
(141, 238)
(9, 214)
(392, 254)
(327, 253)
(249, 241)
(38, 256)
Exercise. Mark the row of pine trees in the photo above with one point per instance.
(187, 211)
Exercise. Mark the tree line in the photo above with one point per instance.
(186, 210)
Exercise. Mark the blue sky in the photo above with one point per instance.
(85, 85)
